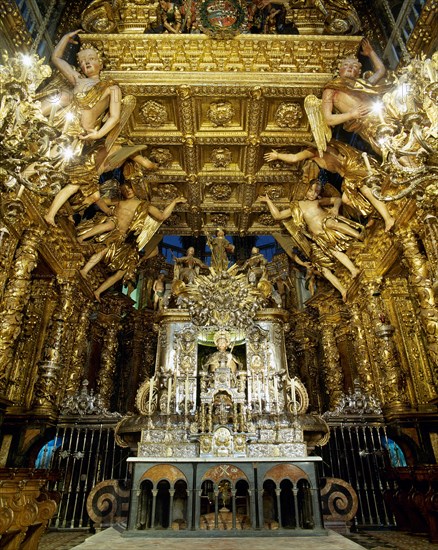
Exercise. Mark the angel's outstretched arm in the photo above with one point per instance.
(276, 214)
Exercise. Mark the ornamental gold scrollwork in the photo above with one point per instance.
(274, 192)
(221, 157)
(221, 191)
(266, 219)
(220, 113)
(153, 113)
(288, 115)
(163, 157)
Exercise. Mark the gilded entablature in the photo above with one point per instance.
(245, 53)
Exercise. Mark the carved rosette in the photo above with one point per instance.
(161, 156)
(274, 192)
(167, 192)
(220, 219)
(221, 191)
(153, 113)
(289, 115)
(221, 157)
(220, 113)
(15, 299)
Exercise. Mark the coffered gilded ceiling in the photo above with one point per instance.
(210, 109)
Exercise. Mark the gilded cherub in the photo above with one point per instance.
(92, 110)
(328, 234)
(131, 216)
(349, 163)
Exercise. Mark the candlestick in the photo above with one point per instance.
(276, 392)
(367, 163)
(169, 394)
(259, 391)
(429, 70)
(68, 118)
(151, 389)
(20, 191)
(53, 110)
(186, 396)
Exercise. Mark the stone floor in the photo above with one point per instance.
(112, 539)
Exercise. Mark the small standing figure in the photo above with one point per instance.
(328, 233)
(159, 288)
(170, 17)
(187, 267)
(131, 215)
(255, 266)
(220, 247)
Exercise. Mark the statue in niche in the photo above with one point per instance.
(222, 357)
(220, 247)
(159, 288)
(169, 16)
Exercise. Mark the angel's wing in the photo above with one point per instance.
(55, 85)
(128, 105)
(322, 133)
(296, 228)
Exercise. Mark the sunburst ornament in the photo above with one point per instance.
(222, 300)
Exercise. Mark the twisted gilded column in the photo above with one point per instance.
(430, 241)
(37, 315)
(79, 352)
(392, 380)
(419, 280)
(48, 391)
(363, 363)
(309, 368)
(15, 298)
(105, 380)
(334, 378)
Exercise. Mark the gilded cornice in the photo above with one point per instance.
(295, 54)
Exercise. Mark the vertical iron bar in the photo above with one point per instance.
(70, 485)
(365, 484)
(369, 457)
(97, 463)
(87, 488)
(356, 485)
(78, 484)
